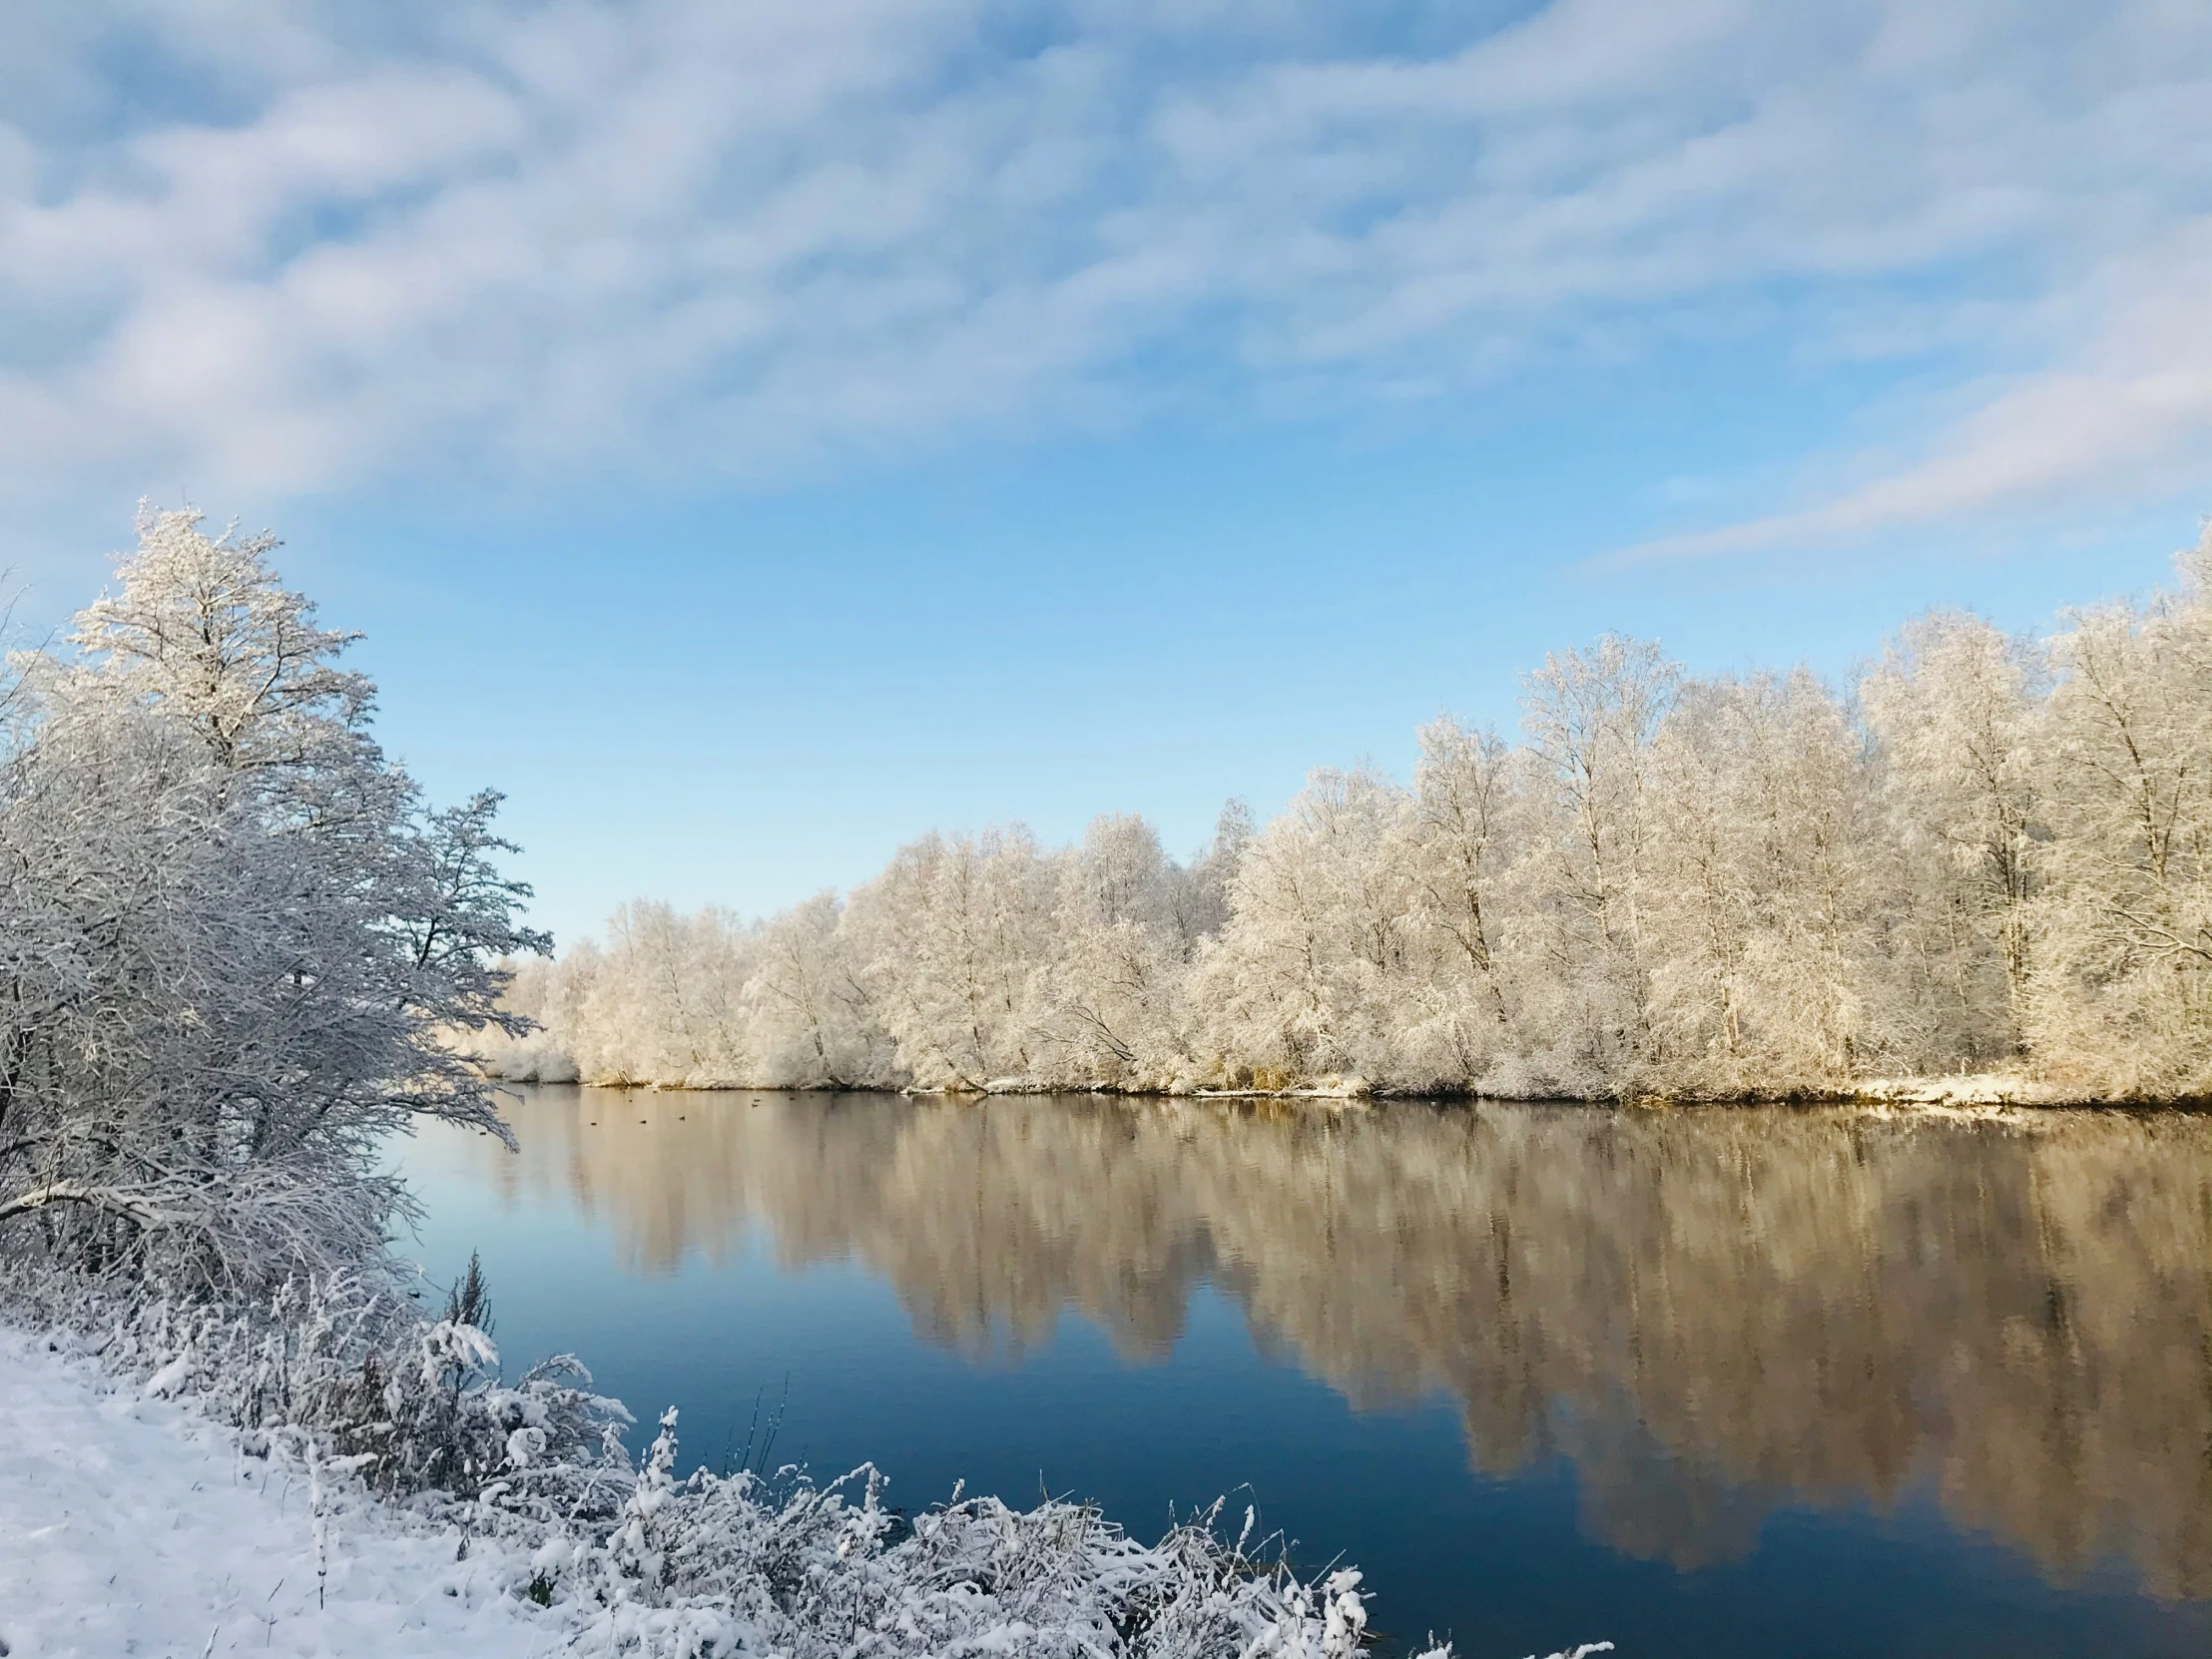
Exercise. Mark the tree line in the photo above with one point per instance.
(1988, 854)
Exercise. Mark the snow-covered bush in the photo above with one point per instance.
(733, 1564)
(410, 1405)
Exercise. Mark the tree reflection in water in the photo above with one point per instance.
(1711, 1313)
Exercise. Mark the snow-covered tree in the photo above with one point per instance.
(1198, 892)
(664, 1002)
(238, 944)
(811, 1019)
(1953, 703)
(1112, 986)
(200, 628)
(2120, 995)
(955, 941)
(1591, 717)
(1304, 980)
(1466, 832)
(1763, 908)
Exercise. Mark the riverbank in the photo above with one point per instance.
(1976, 1091)
(131, 1524)
(134, 1518)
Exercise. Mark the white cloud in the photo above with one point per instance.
(2129, 412)
(686, 233)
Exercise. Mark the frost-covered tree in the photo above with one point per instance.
(2120, 994)
(1198, 892)
(552, 995)
(1465, 835)
(1591, 717)
(666, 999)
(971, 962)
(811, 1019)
(1303, 980)
(238, 944)
(1113, 986)
(954, 936)
(200, 628)
(1953, 705)
(1763, 909)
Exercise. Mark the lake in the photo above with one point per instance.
(1713, 1383)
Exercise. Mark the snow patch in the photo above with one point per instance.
(128, 1525)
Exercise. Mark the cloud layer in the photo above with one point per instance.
(276, 256)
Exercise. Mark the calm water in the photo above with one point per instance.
(1707, 1384)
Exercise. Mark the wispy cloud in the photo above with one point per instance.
(739, 238)
(2129, 412)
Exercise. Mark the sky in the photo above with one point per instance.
(753, 434)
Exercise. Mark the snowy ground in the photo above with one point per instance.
(130, 1526)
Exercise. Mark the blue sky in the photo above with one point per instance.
(753, 434)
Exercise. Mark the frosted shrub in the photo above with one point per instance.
(726, 1565)
(408, 1404)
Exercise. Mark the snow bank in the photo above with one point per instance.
(130, 1524)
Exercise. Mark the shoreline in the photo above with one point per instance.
(1977, 1093)
(139, 1512)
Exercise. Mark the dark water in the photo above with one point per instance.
(1708, 1383)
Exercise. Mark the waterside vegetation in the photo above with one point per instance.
(1982, 870)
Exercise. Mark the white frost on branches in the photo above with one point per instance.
(233, 940)
(1990, 855)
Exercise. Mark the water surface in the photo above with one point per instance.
(1722, 1383)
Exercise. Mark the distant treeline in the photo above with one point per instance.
(1989, 855)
